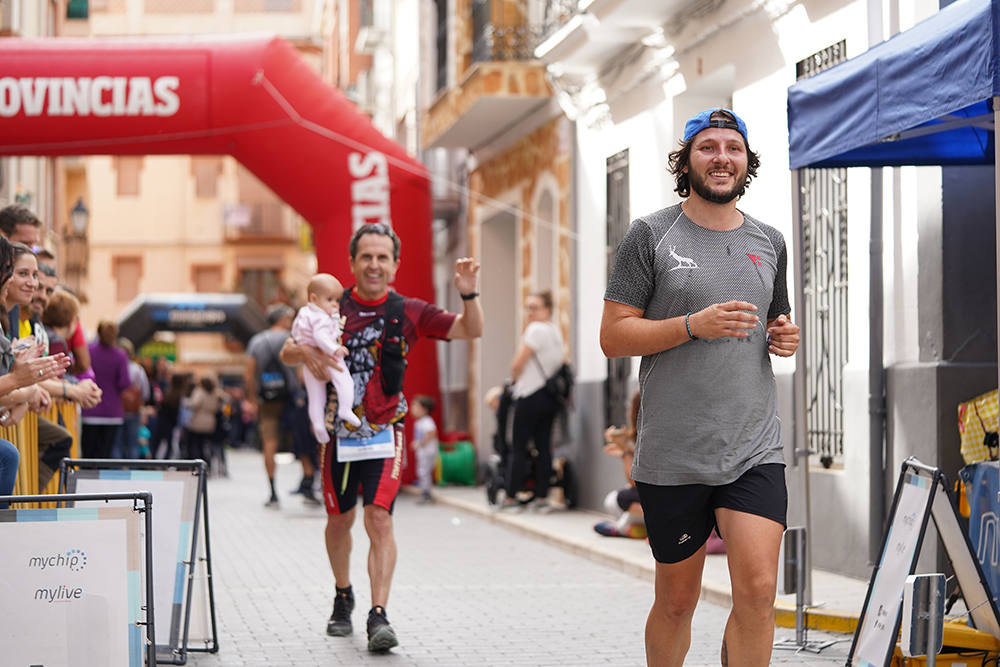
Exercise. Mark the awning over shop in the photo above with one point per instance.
(923, 97)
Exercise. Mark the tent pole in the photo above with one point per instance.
(800, 443)
(876, 375)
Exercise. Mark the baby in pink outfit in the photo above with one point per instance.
(318, 324)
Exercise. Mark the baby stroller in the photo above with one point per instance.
(495, 471)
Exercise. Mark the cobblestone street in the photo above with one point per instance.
(466, 591)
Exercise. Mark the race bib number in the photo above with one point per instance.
(379, 446)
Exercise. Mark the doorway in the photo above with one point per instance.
(499, 296)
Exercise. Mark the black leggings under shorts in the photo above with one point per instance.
(680, 518)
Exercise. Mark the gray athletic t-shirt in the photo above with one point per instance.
(708, 409)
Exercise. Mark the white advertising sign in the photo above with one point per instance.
(65, 594)
(877, 627)
(171, 542)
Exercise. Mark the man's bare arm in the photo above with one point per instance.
(293, 354)
(469, 324)
(625, 332)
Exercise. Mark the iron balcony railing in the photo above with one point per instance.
(511, 31)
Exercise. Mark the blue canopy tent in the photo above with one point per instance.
(923, 97)
(927, 96)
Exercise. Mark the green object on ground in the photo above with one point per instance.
(458, 466)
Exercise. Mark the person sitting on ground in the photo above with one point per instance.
(624, 502)
(318, 324)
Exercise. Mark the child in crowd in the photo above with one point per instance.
(318, 324)
(426, 443)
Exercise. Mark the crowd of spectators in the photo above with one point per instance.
(131, 406)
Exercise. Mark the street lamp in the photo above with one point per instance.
(79, 216)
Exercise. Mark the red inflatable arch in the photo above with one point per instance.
(251, 97)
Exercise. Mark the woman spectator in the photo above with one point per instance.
(162, 444)
(102, 423)
(204, 403)
(19, 374)
(17, 298)
(25, 330)
(539, 356)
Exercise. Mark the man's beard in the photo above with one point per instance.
(701, 188)
(36, 307)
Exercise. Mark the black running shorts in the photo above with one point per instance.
(680, 518)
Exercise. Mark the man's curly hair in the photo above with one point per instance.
(681, 158)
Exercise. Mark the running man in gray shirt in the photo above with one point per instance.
(699, 291)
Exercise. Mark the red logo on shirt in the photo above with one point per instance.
(754, 258)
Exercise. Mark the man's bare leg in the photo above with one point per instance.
(338, 546)
(752, 544)
(338, 549)
(269, 447)
(382, 554)
(668, 627)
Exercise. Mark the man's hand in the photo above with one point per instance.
(85, 392)
(783, 336)
(29, 369)
(317, 361)
(39, 399)
(466, 271)
(724, 319)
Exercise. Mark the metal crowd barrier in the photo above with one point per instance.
(24, 435)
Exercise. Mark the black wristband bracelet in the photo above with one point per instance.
(687, 325)
(470, 296)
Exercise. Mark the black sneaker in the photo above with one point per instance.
(381, 636)
(309, 498)
(339, 624)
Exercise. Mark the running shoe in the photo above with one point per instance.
(339, 624)
(541, 506)
(308, 497)
(381, 636)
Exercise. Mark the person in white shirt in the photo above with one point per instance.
(425, 443)
(539, 356)
(318, 324)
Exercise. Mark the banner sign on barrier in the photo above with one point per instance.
(179, 490)
(73, 587)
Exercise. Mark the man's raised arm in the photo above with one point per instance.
(469, 323)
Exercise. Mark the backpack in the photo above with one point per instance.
(559, 385)
(273, 381)
(390, 362)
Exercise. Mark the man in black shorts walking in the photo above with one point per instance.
(379, 329)
(699, 291)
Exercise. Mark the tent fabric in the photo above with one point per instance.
(946, 67)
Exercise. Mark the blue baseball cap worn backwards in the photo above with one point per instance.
(703, 121)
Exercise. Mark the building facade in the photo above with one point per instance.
(179, 224)
(625, 75)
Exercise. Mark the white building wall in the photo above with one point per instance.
(750, 61)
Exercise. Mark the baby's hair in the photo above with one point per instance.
(320, 281)
(426, 401)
